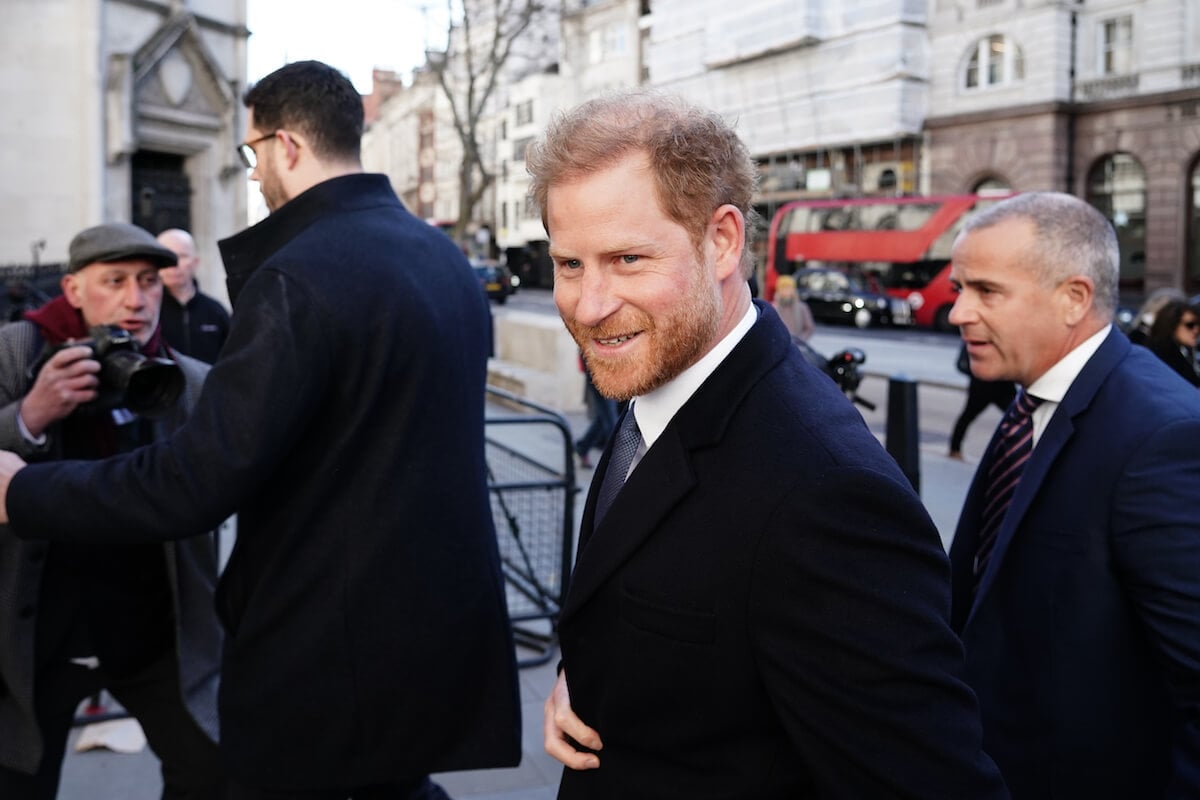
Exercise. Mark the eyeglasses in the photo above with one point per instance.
(1191, 326)
(246, 150)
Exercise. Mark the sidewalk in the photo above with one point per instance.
(103, 775)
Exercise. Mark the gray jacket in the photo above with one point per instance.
(191, 570)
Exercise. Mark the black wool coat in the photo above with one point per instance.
(367, 636)
(764, 610)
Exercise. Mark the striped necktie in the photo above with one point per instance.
(625, 445)
(1009, 455)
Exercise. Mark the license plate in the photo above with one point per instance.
(493, 287)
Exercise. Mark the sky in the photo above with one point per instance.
(355, 36)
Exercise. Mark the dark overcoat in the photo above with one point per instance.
(764, 610)
(367, 636)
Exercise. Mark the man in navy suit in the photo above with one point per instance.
(762, 610)
(1080, 605)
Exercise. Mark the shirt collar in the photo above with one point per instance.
(654, 410)
(1053, 385)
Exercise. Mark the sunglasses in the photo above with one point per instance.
(1191, 326)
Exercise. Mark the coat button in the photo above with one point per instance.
(37, 555)
(26, 612)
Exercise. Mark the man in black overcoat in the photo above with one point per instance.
(367, 641)
(761, 610)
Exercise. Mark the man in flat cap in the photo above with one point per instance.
(136, 620)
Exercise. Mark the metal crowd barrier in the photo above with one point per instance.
(531, 481)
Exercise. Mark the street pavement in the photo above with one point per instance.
(105, 775)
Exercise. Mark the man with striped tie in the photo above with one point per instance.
(1076, 564)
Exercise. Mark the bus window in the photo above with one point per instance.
(902, 242)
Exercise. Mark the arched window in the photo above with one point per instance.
(994, 60)
(991, 185)
(1193, 229)
(1117, 186)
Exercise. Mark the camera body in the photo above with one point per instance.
(128, 378)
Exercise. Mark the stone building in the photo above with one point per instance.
(829, 95)
(1101, 100)
(121, 110)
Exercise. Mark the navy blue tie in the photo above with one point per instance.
(1012, 449)
(625, 445)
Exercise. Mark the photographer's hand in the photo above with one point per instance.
(68, 379)
(10, 464)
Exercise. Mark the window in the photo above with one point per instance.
(1116, 46)
(1117, 187)
(525, 112)
(994, 61)
(519, 146)
(992, 186)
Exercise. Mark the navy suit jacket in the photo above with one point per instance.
(764, 610)
(1083, 642)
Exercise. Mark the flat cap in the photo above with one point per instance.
(116, 241)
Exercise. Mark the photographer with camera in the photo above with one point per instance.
(86, 376)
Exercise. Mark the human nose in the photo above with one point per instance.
(961, 312)
(135, 295)
(597, 296)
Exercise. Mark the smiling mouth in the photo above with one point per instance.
(616, 340)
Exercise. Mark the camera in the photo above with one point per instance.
(128, 378)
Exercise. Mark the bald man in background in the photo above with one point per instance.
(192, 322)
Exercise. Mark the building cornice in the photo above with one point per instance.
(1063, 108)
(204, 22)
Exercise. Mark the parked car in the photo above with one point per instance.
(495, 279)
(837, 296)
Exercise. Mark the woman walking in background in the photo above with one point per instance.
(1173, 338)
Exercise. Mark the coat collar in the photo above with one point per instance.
(1059, 431)
(245, 252)
(664, 475)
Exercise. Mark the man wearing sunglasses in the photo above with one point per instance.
(367, 640)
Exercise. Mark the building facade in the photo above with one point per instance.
(842, 98)
(121, 110)
(1101, 100)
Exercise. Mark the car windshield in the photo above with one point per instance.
(832, 281)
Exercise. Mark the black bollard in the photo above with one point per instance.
(902, 427)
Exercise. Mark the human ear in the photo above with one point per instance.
(1077, 293)
(72, 290)
(727, 238)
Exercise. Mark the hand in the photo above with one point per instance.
(65, 382)
(561, 722)
(10, 464)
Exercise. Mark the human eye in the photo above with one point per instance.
(113, 281)
(630, 258)
(149, 280)
(569, 263)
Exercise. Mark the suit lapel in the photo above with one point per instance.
(664, 475)
(660, 479)
(1058, 432)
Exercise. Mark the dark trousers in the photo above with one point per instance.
(980, 394)
(191, 767)
(421, 789)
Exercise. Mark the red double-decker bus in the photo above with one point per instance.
(902, 243)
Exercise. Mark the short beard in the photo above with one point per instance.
(677, 342)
